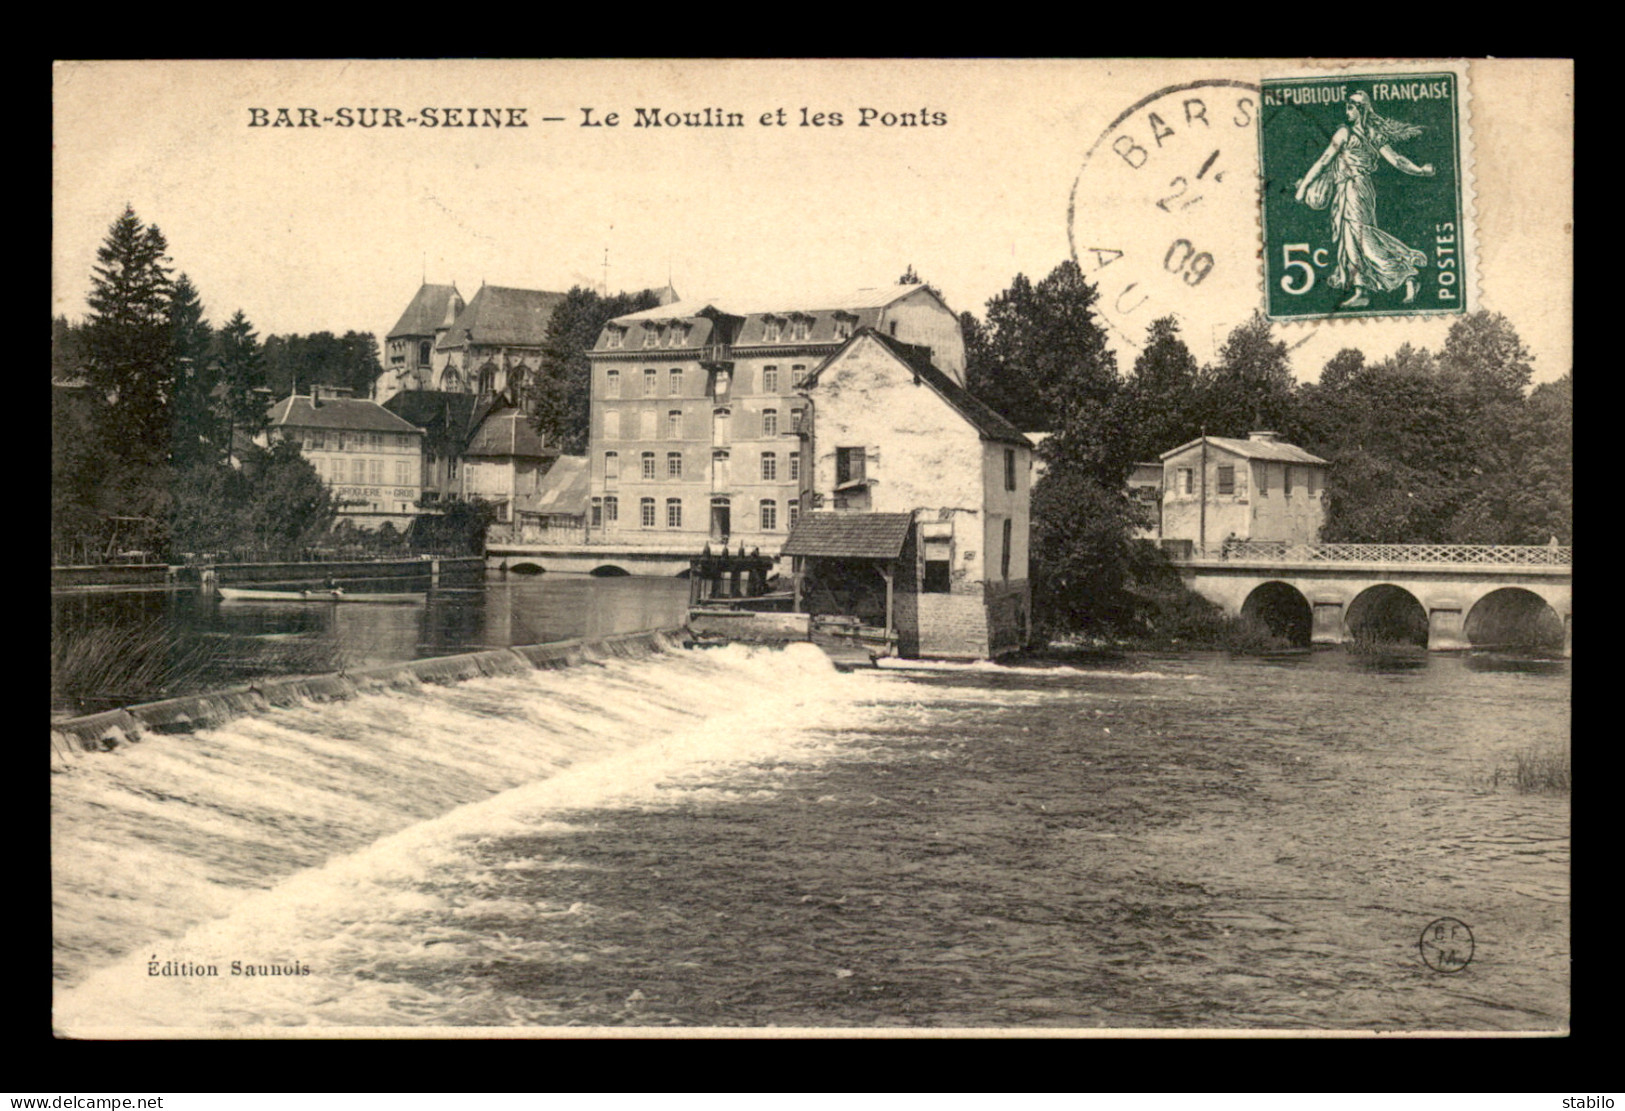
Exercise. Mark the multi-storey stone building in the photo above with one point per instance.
(370, 459)
(1216, 488)
(698, 411)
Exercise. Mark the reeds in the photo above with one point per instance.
(119, 665)
(1543, 771)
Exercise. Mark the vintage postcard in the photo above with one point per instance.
(550, 549)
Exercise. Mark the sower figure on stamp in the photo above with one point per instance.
(1368, 258)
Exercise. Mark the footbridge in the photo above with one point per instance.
(1450, 596)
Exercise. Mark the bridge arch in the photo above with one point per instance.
(527, 567)
(608, 571)
(1282, 608)
(1386, 612)
(1513, 617)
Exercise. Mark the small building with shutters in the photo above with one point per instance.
(920, 497)
(1217, 489)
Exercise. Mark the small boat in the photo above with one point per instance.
(239, 594)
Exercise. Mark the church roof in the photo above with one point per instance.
(435, 306)
(502, 317)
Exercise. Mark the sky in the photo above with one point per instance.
(333, 228)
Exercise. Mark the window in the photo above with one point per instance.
(676, 334)
(1286, 481)
(321, 470)
(612, 465)
(612, 383)
(1313, 482)
(1263, 480)
(770, 330)
(612, 337)
(770, 379)
(1227, 480)
(795, 466)
(770, 467)
(612, 425)
(597, 518)
(651, 336)
(651, 382)
(799, 328)
(376, 467)
(674, 379)
(648, 458)
(612, 508)
(423, 353)
(1004, 552)
(848, 465)
(795, 511)
(721, 466)
(646, 424)
(646, 512)
(1185, 479)
(843, 328)
(795, 421)
(719, 426)
(893, 328)
(674, 464)
(402, 472)
(674, 512)
(451, 466)
(1009, 468)
(674, 424)
(770, 422)
(798, 376)
(770, 515)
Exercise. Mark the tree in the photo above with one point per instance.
(239, 406)
(1483, 352)
(127, 340)
(1042, 361)
(287, 504)
(558, 394)
(193, 435)
(1081, 549)
(1251, 387)
(1159, 407)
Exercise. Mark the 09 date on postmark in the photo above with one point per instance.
(1366, 192)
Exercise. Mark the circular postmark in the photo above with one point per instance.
(1163, 218)
(1447, 945)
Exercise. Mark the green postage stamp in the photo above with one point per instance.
(1366, 182)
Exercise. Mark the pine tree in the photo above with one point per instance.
(239, 403)
(1159, 407)
(191, 339)
(128, 336)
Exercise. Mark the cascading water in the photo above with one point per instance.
(229, 844)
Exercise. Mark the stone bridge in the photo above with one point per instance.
(1455, 595)
(589, 559)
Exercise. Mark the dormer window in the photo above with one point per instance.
(800, 328)
(844, 323)
(651, 336)
(772, 328)
(613, 336)
(676, 335)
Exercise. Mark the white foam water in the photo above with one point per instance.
(318, 838)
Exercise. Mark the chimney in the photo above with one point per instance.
(1264, 437)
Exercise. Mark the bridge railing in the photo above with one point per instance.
(1268, 551)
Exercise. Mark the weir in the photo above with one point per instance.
(105, 731)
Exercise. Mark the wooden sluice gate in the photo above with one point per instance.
(731, 596)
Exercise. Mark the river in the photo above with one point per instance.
(744, 837)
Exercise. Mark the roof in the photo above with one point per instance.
(434, 307)
(447, 417)
(851, 300)
(849, 535)
(988, 423)
(346, 413)
(505, 432)
(1272, 450)
(503, 317)
(565, 488)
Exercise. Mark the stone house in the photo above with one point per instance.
(921, 499)
(369, 458)
(1216, 489)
